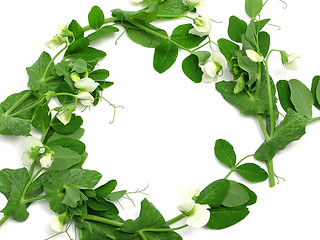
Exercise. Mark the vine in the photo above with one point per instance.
(54, 164)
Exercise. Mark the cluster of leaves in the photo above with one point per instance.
(166, 48)
(253, 91)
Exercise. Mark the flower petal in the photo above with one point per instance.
(86, 99)
(190, 192)
(199, 216)
(218, 58)
(32, 142)
(55, 224)
(186, 205)
(46, 160)
(86, 84)
(26, 159)
(254, 56)
(291, 65)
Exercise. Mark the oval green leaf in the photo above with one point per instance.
(225, 153)
(236, 196)
(165, 56)
(96, 17)
(236, 28)
(253, 7)
(252, 172)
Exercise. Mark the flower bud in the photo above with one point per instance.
(289, 61)
(46, 160)
(240, 85)
(254, 56)
(55, 224)
(65, 114)
(64, 31)
(75, 77)
(54, 42)
(201, 26)
(86, 84)
(86, 99)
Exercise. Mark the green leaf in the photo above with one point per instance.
(253, 7)
(114, 196)
(77, 46)
(106, 189)
(315, 89)
(96, 17)
(76, 135)
(236, 28)
(100, 74)
(145, 38)
(165, 56)
(228, 48)
(88, 54)
(101, 205)
(252, 195)
(251, 34)
(214, 193)
(14, 125)
(148, 14)
(102, 32)
(236, 196)
(252, 172)
(72, 196)
(74, 124)
(79, 66)
(225, 153)
(264, 43)
(284, 93)
(260, 24)
(64, 158)
(191, 68)
(292, 128)
(251, 67)
(57, 183)
(76, 29)
(301, 98)
(172, 8)
(223, 217)
(12, 185)
(104, 84)
(41, 117)
(37, 70)
(72, 144)
(182, 37)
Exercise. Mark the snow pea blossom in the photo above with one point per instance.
(289, 61)
(65, 114)
(86, 99)
(54, 42)
(201, 26)
(197, 215)
(34, 146)
(213, 67)
(46, 160)
(199, 5)
(55, 224)
(254, 56)
(86, 84)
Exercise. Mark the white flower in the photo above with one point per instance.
(26, 159)
(201, 26)
(198, 215)
(135, 1)
(254, 56)
(289, 61)
(198, 4)
(64, 116)
(32, 142)
(191, 4)
(86, 99)
(213, 66)
(55, 224)
(63, 31)
(46, 160)
(86, 84)
(54, 42)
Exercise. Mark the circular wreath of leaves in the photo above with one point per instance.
(56, 160)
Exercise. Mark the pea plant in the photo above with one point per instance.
(72, 78)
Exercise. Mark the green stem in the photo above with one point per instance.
(51, 62)
(272, 123)
(272, 182)
(107, 20)
(141, 234)
(30, 200)
(25, 109)
(21, 100)
(263, 128)
(258, 82)
(313, 120)
(102, 220)
(235, 166)
(66, 94)
(196, 49)
(176, 219)
(28, 185)
(4, 219)
(163, 229)
(33, 165)
(148, 30)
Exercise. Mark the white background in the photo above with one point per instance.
(165, 135)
